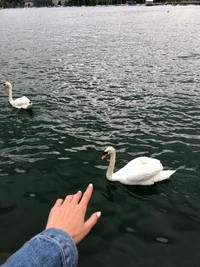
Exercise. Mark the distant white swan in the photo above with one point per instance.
(20, 103)
(139, 171)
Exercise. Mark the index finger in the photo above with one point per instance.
(87, 195)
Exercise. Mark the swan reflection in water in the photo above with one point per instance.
(22, 113)
(138, 192)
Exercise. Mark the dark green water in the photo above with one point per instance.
(122, 76)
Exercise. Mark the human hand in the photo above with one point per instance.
(68, 215)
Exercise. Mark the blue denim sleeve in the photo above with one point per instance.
(51, 248)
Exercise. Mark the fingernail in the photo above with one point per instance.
(90, 184)
(79, 191)
(98, 214)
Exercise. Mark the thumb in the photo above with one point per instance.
(92, 220)
(87, 226)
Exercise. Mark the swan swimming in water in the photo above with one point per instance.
(139, 171)
(20, 103)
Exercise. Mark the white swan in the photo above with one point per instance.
(139, 171)
(20, 103)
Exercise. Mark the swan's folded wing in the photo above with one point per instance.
(139, 170)
(21, 101)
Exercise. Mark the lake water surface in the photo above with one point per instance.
(122, 76)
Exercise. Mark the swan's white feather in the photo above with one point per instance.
(21, 102)
(138, 171)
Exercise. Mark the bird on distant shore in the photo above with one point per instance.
(139, 171)
(20, 103)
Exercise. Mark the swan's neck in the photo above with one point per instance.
(111, 166)
(10, 93)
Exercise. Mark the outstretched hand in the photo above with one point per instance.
(68, 215)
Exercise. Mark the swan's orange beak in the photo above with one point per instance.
(105, 154)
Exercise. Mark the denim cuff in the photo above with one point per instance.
(66, 245)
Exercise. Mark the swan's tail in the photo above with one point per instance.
(163, 175)
(27, 106)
